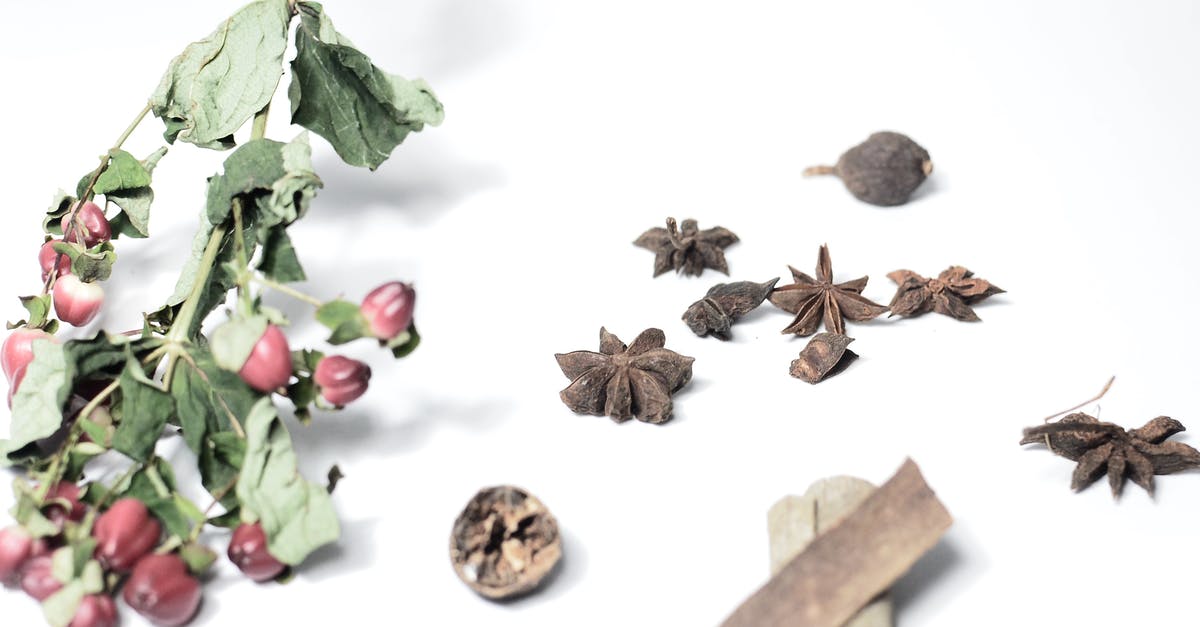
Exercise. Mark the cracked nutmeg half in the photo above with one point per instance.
(1103, 448)
(624, 382)
(688, 250)
(815, 299)
(723, 304)
(504, 542)
(824, 356)
(951, 294)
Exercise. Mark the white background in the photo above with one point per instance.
(1064, 137)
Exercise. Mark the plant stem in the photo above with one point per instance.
(290, 291)
(54, 473)
(258, 129)
(179, 329)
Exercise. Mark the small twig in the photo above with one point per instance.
(1090, 400)
(284, 289)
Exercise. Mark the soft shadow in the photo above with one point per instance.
(354, 552)
(464, 34)
(929, 572)
(931, 186)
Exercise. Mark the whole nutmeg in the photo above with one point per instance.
(124, 534)
(162, 590)
(16, 548)
(95, 610)
(341, 379)
(248, 551)
(76, 302)
(504, 542)
(269, 365)
(89, 225)
(884, 170)
(388, 309)
(37, 578)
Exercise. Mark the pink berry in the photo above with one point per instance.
(124, 534)
(269, 365)
(161, 589)
(17, 378)
(17, 351)
(389, 309)
(248, 551)
(341, 379)
(47, 257)
(89, 223)
(95, 610)
(56, 512)
(37, 578)
(76, 302)
(16, 547)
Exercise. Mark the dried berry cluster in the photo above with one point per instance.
(75, 544)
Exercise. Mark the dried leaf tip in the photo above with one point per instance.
(623, 382)
(686, 249)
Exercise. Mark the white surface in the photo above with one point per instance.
(1064, 136)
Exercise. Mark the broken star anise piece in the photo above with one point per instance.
(951, 294)
(624, 382)
(723, 304)
(688, 250)
(813, 299)
(1105, 448)
(824, 356)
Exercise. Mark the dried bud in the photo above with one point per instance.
(504, 542)
(47, 257)
(37, 578)
(17, 351)
(389, 309)
(90, 225)
(723, 304)
(341, 379)
(248, 551)
(883, 171)
(76, 302)
(269, 365)
(124, 534)
(824, 356)
(95, 610)
(161, 589)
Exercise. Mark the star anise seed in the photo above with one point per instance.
(624, 382)
(688, 250)
(1102, 448)
(813, 299)
(951, 294)
(723, 304)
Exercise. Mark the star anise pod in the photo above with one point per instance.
(811, 299)
(688, 250)
(951, 294)
(624, 382)
(1105, 448)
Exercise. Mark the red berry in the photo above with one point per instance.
(124, 534)
(248, 551)
(47, 256)
(161, 589)
(17, 350)
(89, 223)
(389, 309)
(17, 378)
(96, 610)
(269, 365)
(341, 379)
(56, 512)
(37, 578)
(16, 547)
(76, 302)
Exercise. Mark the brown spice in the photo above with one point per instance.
(723, 304)
(813, 299)
(504, 542)
(687, 251)
(951, 294)
(824, 356)
(884, 170)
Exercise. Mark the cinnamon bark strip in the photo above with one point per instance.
(846, 567)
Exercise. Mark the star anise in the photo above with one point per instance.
(951, 294)
(809, 298)
(1105, 448)
(624, 382)
(688, 250)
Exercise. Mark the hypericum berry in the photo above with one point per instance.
(124, 534)
(90, 225)
(269, 365)
(17, 378)
(248, 551)
(16, 548)
(17, 350)
(161, 589)
(37, 578)
(95, 610)
(56, 512)
(341, 379)
(76, 302)
(47, 257)
(389, 309)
